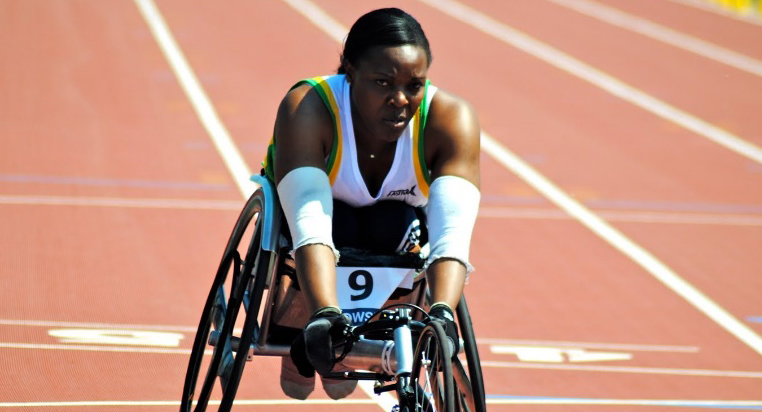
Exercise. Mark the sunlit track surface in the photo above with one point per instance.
(129, 129)
(494, 400)
(676, 216)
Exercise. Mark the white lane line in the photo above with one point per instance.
(201, 103)
(491, 401)
(682, 218)
(664, 34)
(686, 403)
(563, 61)
(121, 202)
(320, 18)
(624, 369)
(611, 235)
(387, 402)
(633, 217)
(238, 402)
(590, 345)
(480, 341)
(93, 348)
(707, 6)
(505, 212)
(97, 348)
(93, 325)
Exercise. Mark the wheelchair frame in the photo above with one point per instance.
(263, 268)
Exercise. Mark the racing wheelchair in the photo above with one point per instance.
(394, 345)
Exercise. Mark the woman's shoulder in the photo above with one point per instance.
(303, 122)
(451, 115)
(303, 104)
(312, 91)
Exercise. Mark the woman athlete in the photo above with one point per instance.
(375, 137)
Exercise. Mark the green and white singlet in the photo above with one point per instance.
(408, 179)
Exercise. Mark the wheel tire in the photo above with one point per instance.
(475, 379)
(245, 278)
(431, 378)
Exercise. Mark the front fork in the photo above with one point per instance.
(403, 344)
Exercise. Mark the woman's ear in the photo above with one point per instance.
(349, 69)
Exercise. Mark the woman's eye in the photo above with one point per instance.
(416, 87)
(382, 82)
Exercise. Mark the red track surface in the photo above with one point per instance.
(93, 115)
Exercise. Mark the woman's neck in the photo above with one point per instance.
(372, 146)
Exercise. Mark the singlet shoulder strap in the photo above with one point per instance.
(421, 169)
(320, 84)
(325, 92)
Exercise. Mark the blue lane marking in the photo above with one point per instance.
(750, 408)
(95, 181)
(755, 319)
(603, 402)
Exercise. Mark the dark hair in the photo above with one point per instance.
(382, 27)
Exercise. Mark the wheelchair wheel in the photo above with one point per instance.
(469, 383)
(242, 271)
(473, 398)
(431, 379)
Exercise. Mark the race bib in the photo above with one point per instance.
(364, 290)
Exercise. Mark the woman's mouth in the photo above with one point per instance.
(396, 122)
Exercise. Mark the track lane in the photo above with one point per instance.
(95, 264)
(740, 186)
(712, 26)
(719, 94)
(540, 238)
(92, 112)
(70, 129)
(240, 27)
(664, 34)
(463, 56)
(226, 47)
(354, 16)
(713, 259)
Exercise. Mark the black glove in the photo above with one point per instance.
(441, 312)
(313, 350)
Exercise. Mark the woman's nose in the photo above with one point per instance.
(399, 99)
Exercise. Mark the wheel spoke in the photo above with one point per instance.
(432, 372)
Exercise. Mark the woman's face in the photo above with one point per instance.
(387, 89)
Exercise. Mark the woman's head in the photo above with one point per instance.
(382, 27)
(386, 60)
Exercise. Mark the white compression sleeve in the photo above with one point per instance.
(451, 214)
(307, 202)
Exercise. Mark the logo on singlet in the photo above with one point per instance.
(403, 192)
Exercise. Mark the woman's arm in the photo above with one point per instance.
(303, 136)
(452, 150)
(452, 138)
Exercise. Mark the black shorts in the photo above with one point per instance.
(385, 227)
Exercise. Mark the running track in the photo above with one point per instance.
(617, 251)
